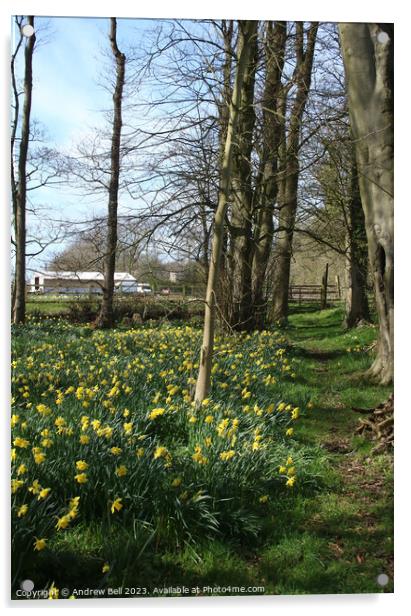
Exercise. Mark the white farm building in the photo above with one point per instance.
(83, 283)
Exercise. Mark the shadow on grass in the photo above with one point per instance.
(316, 354)
(215, 565)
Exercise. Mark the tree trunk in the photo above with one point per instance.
(368, 59)
(223, 291)
(249, 31)
(287, 203)
(267, 187)
(19, 201)
(105, 318)
(356, 271)
(240, 227)
(290, 173)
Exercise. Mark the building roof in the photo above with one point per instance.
(118, 276)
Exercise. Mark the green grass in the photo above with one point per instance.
(47, 308)
(333, 537)
(347, 530)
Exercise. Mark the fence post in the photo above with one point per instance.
(337, 282)
(324, 288)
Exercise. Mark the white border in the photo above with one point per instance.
(349, 10)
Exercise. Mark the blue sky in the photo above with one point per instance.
(68, 98)
(67, 69)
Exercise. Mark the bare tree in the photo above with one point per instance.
(105, 317)
(368, 59)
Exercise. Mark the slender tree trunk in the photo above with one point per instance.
(291, 170)
(105, 317)
(356, 272)
(249, 31)
(19, 199)
(368, 59)
(240, 227)
(15, 121)
(274, 49)
(224, 290)
(204, 243)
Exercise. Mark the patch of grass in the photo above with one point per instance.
(46, 308)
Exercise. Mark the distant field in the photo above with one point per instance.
(84, 309)
(47, 307)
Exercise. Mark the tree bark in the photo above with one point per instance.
(105, 318)
(274, 48)
(20, 189)
(223, 292)
(240, 226)
(368, 60)
(356, 306)
(249, 31)
(290, 170)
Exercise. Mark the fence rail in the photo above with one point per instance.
(314, 293)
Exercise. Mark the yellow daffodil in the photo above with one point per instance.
(116, 451)
(40, 544)
(22, 511)
(22, 469)
(44, 492)
(227, 455)
(116, 505)
(63, 522)
(16, 484)
(156, 413)
(21, 442)
(121, 471)
(81, 465)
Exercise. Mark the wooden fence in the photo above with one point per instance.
(314, 293)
